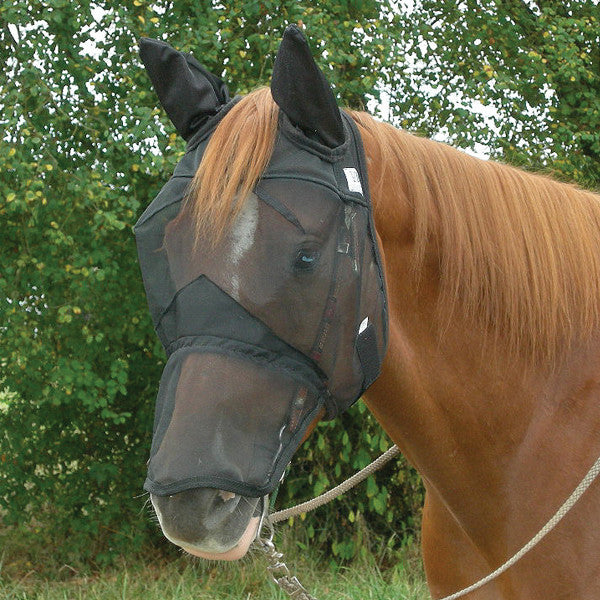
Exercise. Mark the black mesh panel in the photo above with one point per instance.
(226, 422)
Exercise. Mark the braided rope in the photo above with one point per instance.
(338, 490)
(343, 487)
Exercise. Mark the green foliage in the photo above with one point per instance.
(84, 149)
(536, 65)
(389, 501)
(183, 579)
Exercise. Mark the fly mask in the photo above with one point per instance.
(286, 314)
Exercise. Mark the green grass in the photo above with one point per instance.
(190, 579)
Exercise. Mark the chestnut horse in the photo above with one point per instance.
(491, 381)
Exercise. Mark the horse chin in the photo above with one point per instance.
(238, 551)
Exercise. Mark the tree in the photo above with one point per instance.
(520, 77)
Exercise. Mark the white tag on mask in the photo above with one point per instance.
(353, 180)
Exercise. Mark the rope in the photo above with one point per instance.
(279, 571)
(550, 525)
(338, 490)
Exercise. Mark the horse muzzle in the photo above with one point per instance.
(209, 523)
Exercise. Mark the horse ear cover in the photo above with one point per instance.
(187, 91)
(301, 91)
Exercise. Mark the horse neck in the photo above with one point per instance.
(453, 404)
(467, 414)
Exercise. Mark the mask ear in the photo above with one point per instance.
(302, 92)
(187, 91)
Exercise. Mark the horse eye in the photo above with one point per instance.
(306, 260)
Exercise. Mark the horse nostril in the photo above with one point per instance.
(223, 504)
(225, 495)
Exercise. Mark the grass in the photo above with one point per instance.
(190, 579)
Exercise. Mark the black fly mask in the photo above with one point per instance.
(286, 315)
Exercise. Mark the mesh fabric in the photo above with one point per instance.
(285, 316)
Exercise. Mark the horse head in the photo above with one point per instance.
(262, 272)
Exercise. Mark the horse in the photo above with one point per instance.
(490, 385)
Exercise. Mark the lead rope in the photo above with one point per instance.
(279, 571)
(281, 574)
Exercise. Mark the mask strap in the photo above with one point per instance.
(368, 354)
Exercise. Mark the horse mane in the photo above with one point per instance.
(518, 252)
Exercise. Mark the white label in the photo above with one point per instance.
(353, 180)
(363, 325)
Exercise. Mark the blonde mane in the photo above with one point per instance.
(518, 252)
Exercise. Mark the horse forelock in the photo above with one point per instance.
(236, 156)
(518, 252)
